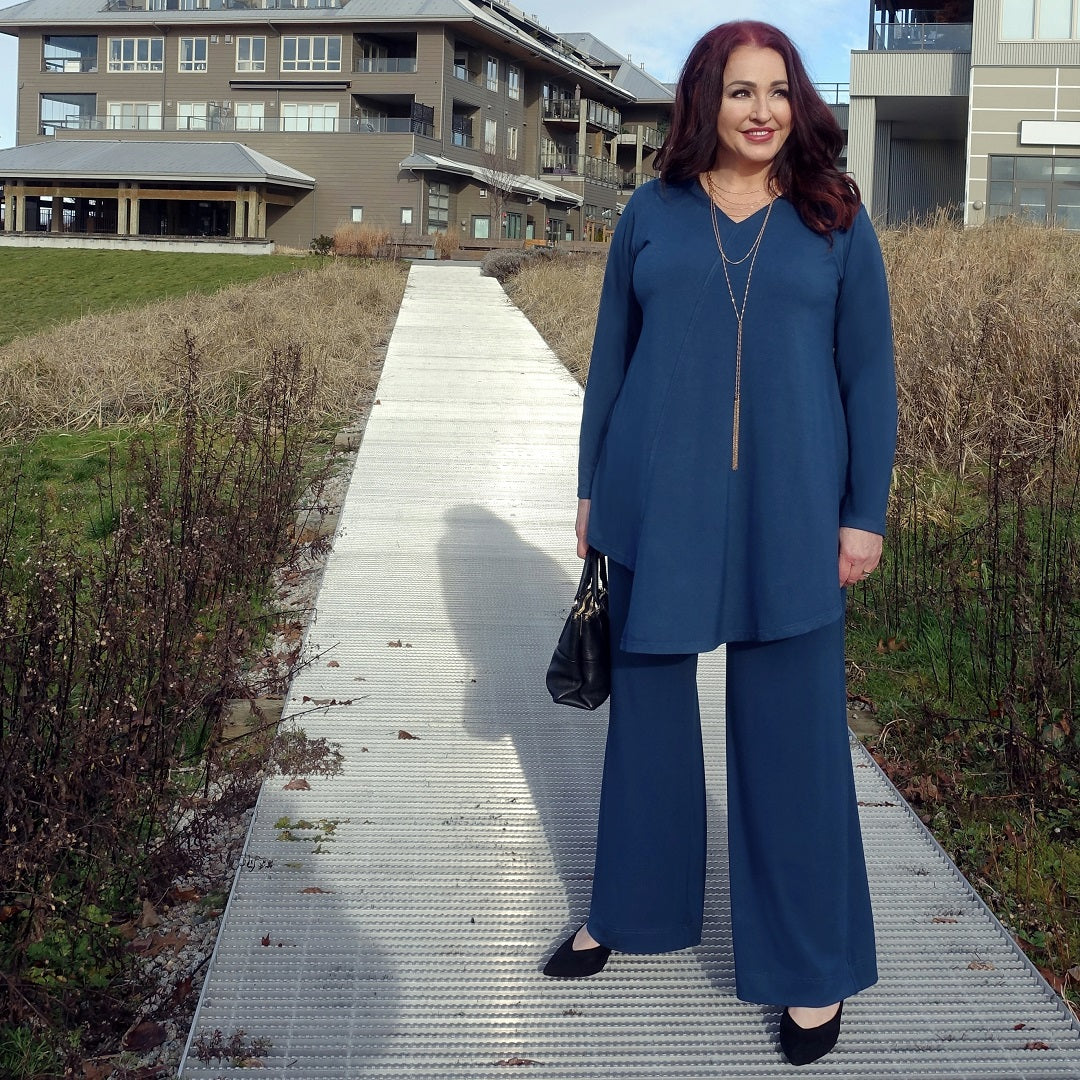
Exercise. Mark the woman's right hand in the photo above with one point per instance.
(582, 527)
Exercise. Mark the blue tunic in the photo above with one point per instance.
(748, 555)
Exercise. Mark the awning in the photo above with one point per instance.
(526, 185)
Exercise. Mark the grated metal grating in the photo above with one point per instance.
(462, 857)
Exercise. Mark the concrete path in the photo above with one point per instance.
(456, 848)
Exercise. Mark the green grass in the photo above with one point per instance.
(43, 288)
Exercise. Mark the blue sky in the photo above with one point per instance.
(658, 34)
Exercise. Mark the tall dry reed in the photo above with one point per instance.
(127, 367)
(361, 240)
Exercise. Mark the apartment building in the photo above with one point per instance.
(281, 119)
(970, 105)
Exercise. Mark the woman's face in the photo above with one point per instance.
(755, 112)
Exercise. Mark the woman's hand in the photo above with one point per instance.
(860, 552)
(582, 527)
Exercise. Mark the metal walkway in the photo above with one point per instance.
(408, 940)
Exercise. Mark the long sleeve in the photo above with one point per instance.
(867, 379)
(618, 325)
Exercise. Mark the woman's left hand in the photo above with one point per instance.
(860, 552)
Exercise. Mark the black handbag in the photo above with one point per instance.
(580, 670)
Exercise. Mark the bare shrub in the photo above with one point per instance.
(361, 240)
(446, 243)
(127, 367)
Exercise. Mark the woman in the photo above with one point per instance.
(736, 451)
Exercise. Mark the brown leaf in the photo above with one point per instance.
(1054, 979)
(1074, 972)
(9, 911)
(1019, 1027)
(177, 895)
(403, 734)
(315, 889)
(333, 663)
(182, 989)
(145, 1036)
(98, 1070)
(266, 939)
(395, 644)
(298, 783)
(1036, 1046)
(980, 965)
(518, 1061)
(149, 916)
(944, 919)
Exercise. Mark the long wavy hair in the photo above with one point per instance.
(804, 170)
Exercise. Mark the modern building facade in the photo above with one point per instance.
(282, 119)
(969, 105)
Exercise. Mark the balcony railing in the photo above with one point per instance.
(591, 168)
(70, 65)
(462, 138)
(568, 109)
(834, 93)
(650, 136)
(929, 36)
(219, 5)
(316, 125)
(631, 179)
(385, 64)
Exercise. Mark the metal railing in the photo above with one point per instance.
(650, 136)
(570, 109)
(317, 125)
(559, 163)
(834, 93)
(631, 179)
(918, 36)
(219, 5)
(462, 138)
(69, 65)
(385, 64)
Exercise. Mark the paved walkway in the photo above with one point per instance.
(457, 843)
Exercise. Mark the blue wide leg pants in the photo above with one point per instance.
(802, 926)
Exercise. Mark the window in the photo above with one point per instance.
(491, 76)
(1047, 20)
(193, 115)
(251, 54)
(193, 54)
(513, 82)
(68, 54)
(357, 214)
(461, 63)
(481, 227)
(513, 226)
(135, 115)
(491, 136)
(309, 116)
(1038, 189)
(66, 111)
(438, 207)
(137, 54)
(250, 115)
(512, 143)
(406, 215)
(311, 53)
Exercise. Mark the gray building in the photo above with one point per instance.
(281, 119)
(969, 105)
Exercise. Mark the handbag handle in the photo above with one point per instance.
(593, 584)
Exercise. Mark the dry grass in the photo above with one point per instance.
(363, 241)
(987, 327)
(127, 367)
(561, 297)
(447, 243)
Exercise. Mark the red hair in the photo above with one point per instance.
(804, 170)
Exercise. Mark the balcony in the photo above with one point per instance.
(83, 65)
(385, 65)
(569, 110)
(631, 179)
(560, 163)
(315, 125)
(921, 37)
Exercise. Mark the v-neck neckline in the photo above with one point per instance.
(700, 188)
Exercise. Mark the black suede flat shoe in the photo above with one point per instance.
(802, 1045)
(570, 963)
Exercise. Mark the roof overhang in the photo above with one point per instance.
(525, 185)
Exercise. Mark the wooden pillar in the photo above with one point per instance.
(239, 213)
(56, 219)
(583, 135)
(640, 148)
(122, 210)
(133, 216)
(9, 208)
(260, 230)
(20, 207)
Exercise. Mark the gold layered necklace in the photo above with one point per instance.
(739, 309)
